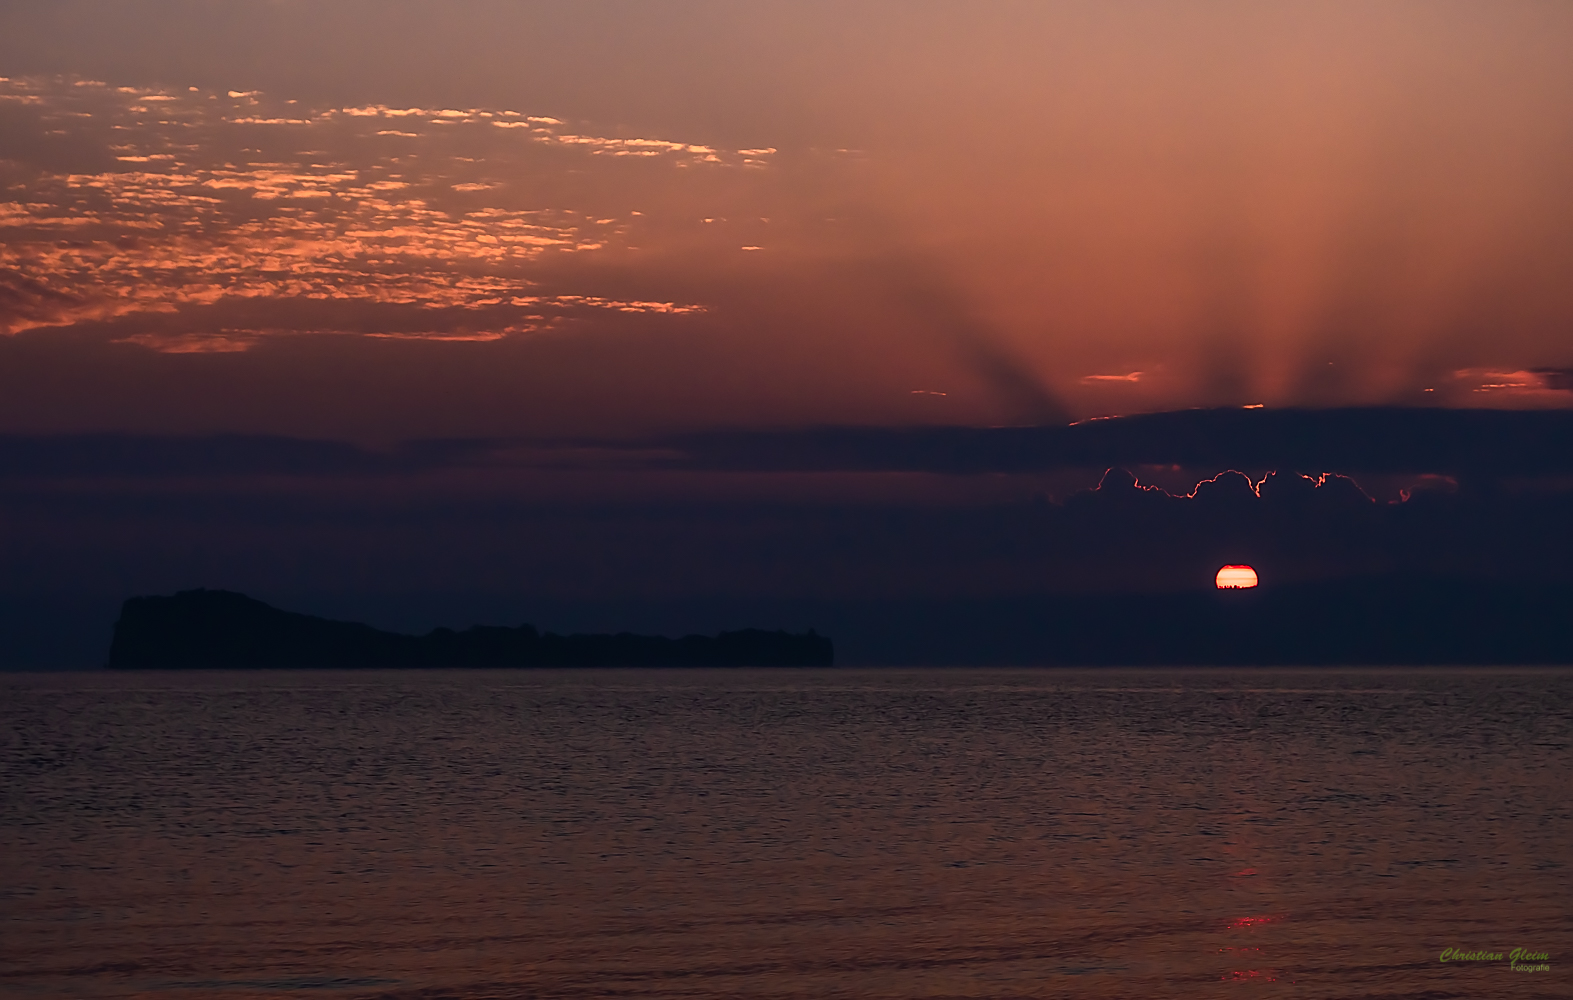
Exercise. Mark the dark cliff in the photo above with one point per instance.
(217, 628)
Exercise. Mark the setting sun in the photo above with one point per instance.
(1236, 578)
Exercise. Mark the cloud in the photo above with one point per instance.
(1463, 443)
(205, 327)
(1544, 386)
(1456, 444)
(1558, 379)
(221, 342)
(27, 302)
(35, 302)
(123, 455)
(192, 216)
(133, 456)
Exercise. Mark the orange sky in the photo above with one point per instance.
(377, 222)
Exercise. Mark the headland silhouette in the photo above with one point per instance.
(219, 628)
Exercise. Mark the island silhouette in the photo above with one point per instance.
(220, 628)
(1372, 621)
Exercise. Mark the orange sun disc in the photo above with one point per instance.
(1236, 578)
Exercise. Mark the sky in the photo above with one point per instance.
(617, 217)
(600, 229)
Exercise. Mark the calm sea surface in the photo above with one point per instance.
(700, 834)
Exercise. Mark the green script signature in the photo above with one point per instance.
(1519, 959)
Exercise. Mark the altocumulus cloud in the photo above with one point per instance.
(195, 200)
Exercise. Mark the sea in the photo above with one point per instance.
(696, 834)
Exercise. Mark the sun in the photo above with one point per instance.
(1236, 578)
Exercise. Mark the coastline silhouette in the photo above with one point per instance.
(220, 628)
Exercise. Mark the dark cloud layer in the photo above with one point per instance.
(1493, 443)
(90, 456)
